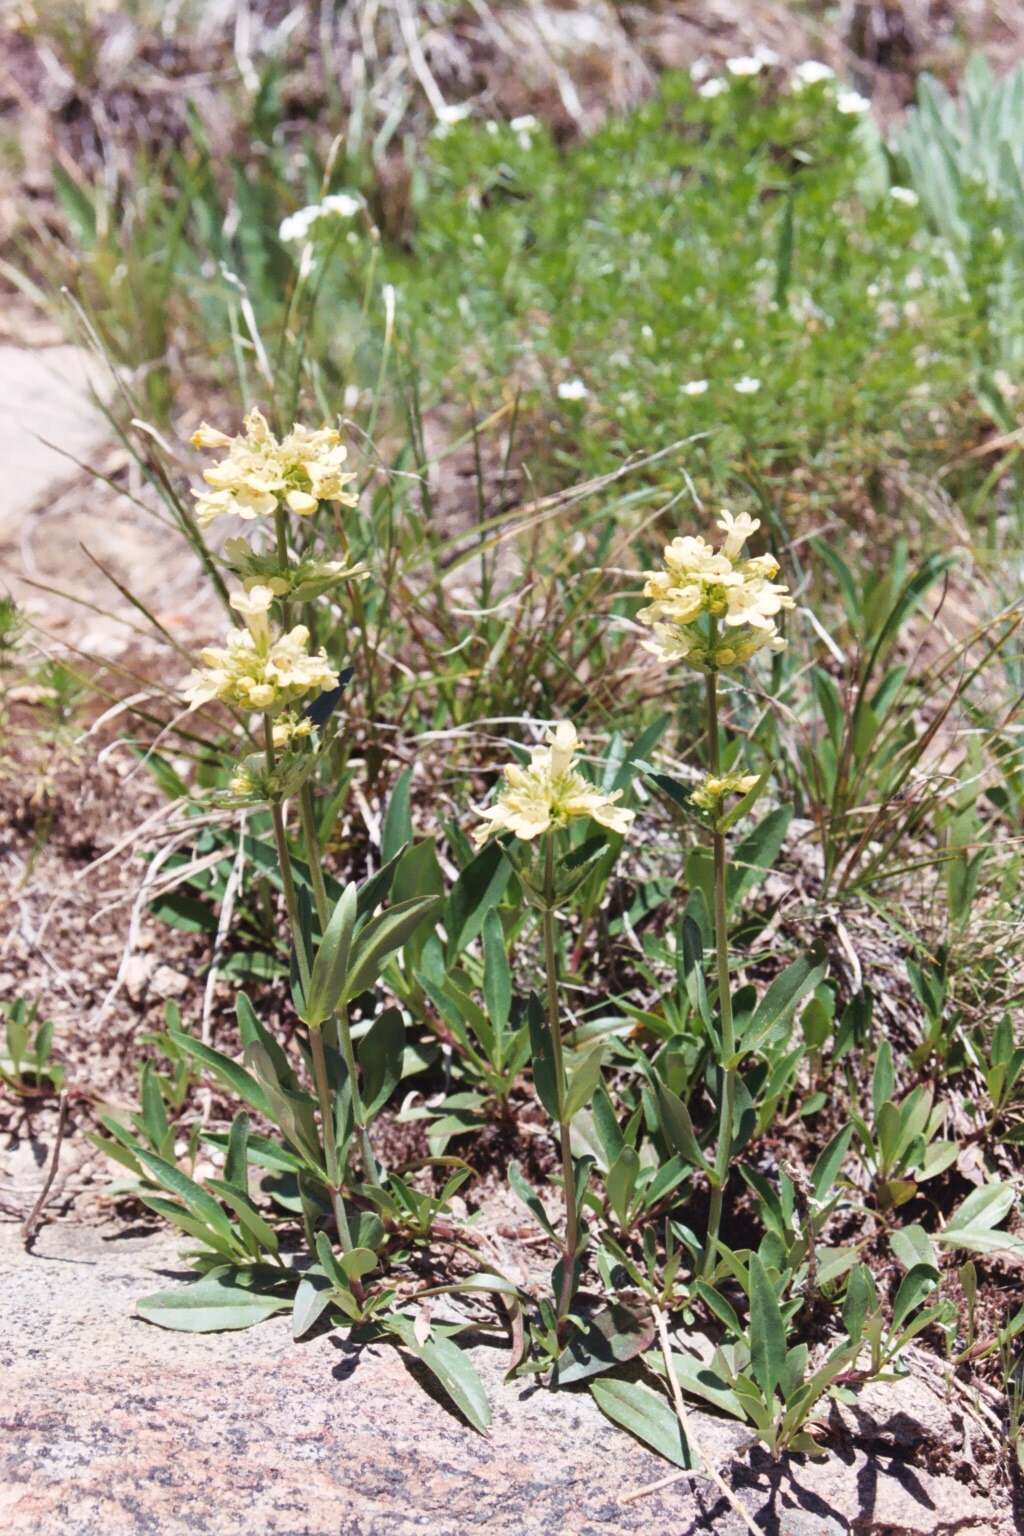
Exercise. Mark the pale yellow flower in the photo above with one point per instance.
(737, 531)
(739, 595)
(254, 605)
(256, 670)
(260, 473)
(549, 793)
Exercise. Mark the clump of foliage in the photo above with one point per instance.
(703, 887)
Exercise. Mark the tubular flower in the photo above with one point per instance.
(740, 596)
(712, 791)
(260, 473)
(549, 793)
(255, 669)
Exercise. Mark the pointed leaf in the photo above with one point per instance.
(646, 1414)
(213, 1304)
(382, 935)
(380, 1056)
(330, 968)
(767, 1330)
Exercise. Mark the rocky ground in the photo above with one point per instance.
(111, 1426)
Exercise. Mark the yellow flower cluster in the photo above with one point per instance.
(256, 669)
(710, 794)
(549, 793)
(260, 473)
(740, 596)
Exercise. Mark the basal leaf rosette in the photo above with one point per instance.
(261, 473)
(549, 793)
(710, 607)
(257, 668)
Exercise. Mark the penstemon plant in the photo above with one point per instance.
(283, 693)
(258, 669)
(715, 610)
(534, 805)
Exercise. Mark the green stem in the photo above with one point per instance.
(284, 860)
(723, 1153)
(317, 1056)
(311, 838)
(323, 1093)
(558, 1062)
(370, 1166)
(316, 875)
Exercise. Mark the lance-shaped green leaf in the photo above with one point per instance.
(829, 1163)
(755, 854)
(211, 1305)
(613, 1333)
(378, 940)
(312, 1299)
(545, 1078)
(478, 888)
(530, 1198)
(252, 1222)
(397, 829)
(646, 1414)
(780, 1001)
(497, 976)
(621, 1181)
(675, 1121)
(380, 1056)
(767, 1330)
(293, 1112)
(229, 1072)
(919, 1281)
(330, 968)
(236, 1162)
(451, 1367)
(187, 1190)
(583, 1081)
(972, 1225)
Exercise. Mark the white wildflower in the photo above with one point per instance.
(524, 128)
(256, 670)
(696, 387)
(299, 225)
(344, 204)
(747, 385)
(852, 103)
(812, 72)
(572, 389)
